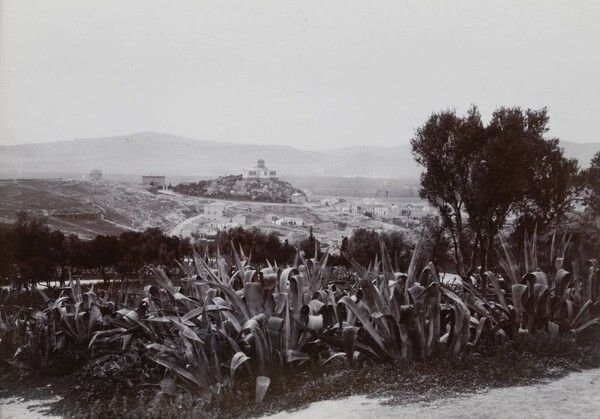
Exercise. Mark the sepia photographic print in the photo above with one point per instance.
(299, 209)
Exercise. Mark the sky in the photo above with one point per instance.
(310, 74)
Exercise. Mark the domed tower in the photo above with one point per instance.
(260, 163)
(95, 173)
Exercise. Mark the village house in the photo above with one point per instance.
(378, 210)
(215, 210)
(346, 207)
(290, 221)
(418, 211)
(298, 198)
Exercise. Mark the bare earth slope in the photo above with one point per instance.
(91, 208)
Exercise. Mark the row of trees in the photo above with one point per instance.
(362, 246)
(31, 252)
(480, 175)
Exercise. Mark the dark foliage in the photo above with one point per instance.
(363, 247)
(591, 178)
(33, 253)
(260, 245)
(488, 172)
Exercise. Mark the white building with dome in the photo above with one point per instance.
(260, 171)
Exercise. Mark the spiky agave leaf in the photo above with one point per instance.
(462, 318)
(414, 262)
(262, 385)
(508, 262)
(235, 300)
(490, 276)
(388, 272)
(365, 322)
(236, 361)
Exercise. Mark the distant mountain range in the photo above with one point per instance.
(153, 153)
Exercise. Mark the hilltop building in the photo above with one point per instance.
(151, 180)
(260, 171)
(95, 173)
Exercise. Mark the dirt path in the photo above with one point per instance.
(19, 408)
(574, 396)
(176, 231)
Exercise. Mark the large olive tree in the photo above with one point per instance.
(477, 175)
(591, 178)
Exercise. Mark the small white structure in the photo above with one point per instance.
(346, 207)
(96, 173)
(271, 218)
(215, 211)
(290, 221)
(298, 198)
(377, 210)
(260, 171)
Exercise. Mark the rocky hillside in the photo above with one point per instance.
(235, 187)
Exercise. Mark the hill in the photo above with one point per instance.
(582, 152)
(172, 155)
(235, 187)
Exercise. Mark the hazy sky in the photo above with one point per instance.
(311, 74)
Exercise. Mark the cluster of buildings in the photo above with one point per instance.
(386, 211)
(285, 221)
(217, 216)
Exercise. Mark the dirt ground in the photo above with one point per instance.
(422, 387)
(574, 396)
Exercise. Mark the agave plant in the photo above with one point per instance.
(529, 300)
(226, 325)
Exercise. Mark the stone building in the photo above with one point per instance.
(260, 171)
(215, 211)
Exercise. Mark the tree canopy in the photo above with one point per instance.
(591, 179)
(477, 175)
